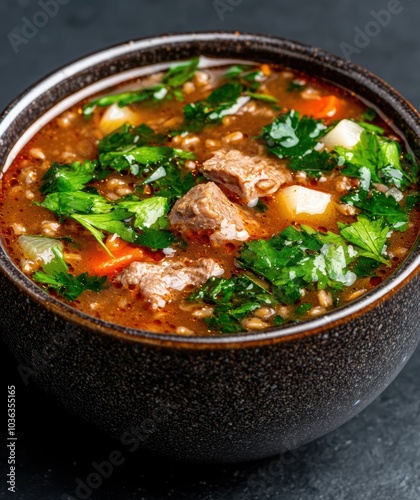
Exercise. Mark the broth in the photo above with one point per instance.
(266, 96)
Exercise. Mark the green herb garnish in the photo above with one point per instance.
(169, 88)
(290, 262)
(294, 137)
(68, 177)
(376, 205)
(55, 275)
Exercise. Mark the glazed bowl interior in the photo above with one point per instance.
(63, 88)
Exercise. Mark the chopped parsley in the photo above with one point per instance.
(128, 136)
(376, 205)
(170, 182)
(168, 88)
(136, 159)
(412, 200)
(278, 270)
(140, 221)
(246, 75)
(368, 236)
(296, 85)
(291, 136)
(139, 150)
(294, 259)
(224, 100)
(67, 203)
(369, 115)
(260, 207)
(295, 137)
(68, 177)
(55, 275)
(122, 217)
(250, 79)
(150, 213)
(375, 159)
(234, 299)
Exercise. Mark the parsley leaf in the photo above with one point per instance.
(314, 163)
(170, 182)
(169, 88)
(291, 135)
(260, 207)
(294, 259)
(365, 267)
(112, 222)
(68, 177)
(178, 74)
(250, 79)
(296, 85)
(246, 75)
(136, 158)
(372, 128)
(243, 82)
(55, 275)
(127, 136)
(149, 213)
(412, 200)
(257, 96)
(302, 309)
(154, 93)
(363, 155)
(411, 166)
(96, 214)
(234, 299)
(377, 205)
(69, 202)
(380, 156)
(369, 115)
(368, 235)
(155, 239)
(278, 270)
(295, 137)
(222, 101)
(126, 149)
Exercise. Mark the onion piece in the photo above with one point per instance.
(38, 248)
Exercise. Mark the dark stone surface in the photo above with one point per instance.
(374, 456)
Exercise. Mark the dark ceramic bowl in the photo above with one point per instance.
(218, 399)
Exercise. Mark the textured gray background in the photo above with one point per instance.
(377, 454)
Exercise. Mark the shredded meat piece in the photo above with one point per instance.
(250, 177)
(159, 282)
(206, 207)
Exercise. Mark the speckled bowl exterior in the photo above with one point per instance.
(213, 399)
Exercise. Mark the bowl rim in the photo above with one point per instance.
(405, 272)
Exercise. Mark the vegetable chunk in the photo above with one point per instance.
(303, 204)
(114, 117)
(345, 134)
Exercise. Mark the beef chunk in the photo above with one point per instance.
(206, 208)
(250, 177)
(159, 282)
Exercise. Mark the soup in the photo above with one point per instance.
(212, 201)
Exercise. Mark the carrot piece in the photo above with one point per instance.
(100, 263)
(325, 107)
(265, 68)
